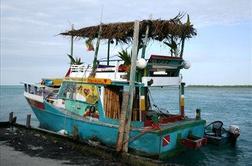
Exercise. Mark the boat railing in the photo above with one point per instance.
(39, 90)
(34, 89)
(159, 70)
(102, 71)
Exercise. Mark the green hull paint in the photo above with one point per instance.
(183, 125)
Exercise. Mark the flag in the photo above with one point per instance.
(89, 45)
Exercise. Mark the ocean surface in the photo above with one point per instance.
(232, 105)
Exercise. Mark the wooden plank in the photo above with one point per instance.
(118, 103)
(109, 108)
(104, 101)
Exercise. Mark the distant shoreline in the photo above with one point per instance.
(189, 86)
(220, 86)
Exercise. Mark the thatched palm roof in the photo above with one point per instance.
(123, 31)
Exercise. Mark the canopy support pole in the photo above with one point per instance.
(131, 84)
(182, 99)
(108, 53)
(128, 96)
(145, 41)
(71, 51)
(92, 74)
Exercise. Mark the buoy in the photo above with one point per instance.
(186, 64)
(141, 63)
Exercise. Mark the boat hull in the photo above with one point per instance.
(156, 143)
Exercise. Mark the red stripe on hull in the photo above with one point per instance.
(36, 104)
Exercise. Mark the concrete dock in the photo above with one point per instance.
(26, 147)
(20, 145)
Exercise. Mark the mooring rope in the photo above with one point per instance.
(158, 109)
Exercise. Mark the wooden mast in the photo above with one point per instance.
(131, 84)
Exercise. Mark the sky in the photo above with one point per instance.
(221, 53)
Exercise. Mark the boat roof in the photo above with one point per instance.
(123, 31)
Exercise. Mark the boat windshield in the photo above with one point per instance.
(77, 91)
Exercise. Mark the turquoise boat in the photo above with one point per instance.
(95, 103)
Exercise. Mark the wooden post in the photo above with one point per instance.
(10, 117)
(92, 74)
(71, 53)
(28, 121)
(182, 99)
(198, 116)
(122, 122)
(131, 84)
(108, 53)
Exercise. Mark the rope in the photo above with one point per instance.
(158, 109)
(139, 135)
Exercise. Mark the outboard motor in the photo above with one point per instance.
(234, 133)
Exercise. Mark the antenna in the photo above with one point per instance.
(101, 13)
(150, 16)
(71, 53)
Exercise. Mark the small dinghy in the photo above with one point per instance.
(216, 134)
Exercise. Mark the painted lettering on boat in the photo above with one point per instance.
(91, 80)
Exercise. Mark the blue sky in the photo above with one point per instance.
(221, 53)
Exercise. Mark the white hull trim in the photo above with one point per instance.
(34, 97)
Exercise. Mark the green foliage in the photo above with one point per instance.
(178, 42)
(188, 22)
(125, 56)
(76, 61)
(173, 46)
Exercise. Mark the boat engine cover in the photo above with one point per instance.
(234, 129)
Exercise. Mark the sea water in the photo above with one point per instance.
(232, 105)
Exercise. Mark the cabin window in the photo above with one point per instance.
(66, 90)
(35, 90)
(29, 88)
(81, 92)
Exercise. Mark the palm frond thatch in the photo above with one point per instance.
(123, 31)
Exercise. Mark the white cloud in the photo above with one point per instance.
(29, 27)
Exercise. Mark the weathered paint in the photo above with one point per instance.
(149, 144)
(77, 107)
